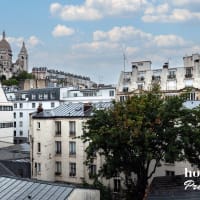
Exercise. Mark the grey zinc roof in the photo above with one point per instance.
(21, 189)
(72, 110)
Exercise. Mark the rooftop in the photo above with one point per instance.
(15, 188)
(72, 110)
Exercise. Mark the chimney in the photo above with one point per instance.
(87, 106)
(39, 109)
(166, 65)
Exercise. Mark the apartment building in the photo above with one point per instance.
(57, 154)
(59, 78)
(6, 120)
(172, 80)
(88, 95)
(26, 102)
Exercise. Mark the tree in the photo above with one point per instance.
(134, 135)
(16, 79)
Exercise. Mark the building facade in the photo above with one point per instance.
(172, 80)
(57, 155)
(62, 79)
(7, 67)
(6, 120)
(27, 101)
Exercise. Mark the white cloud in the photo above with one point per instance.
(61, 30)
(96, 46)
(33, 41)
(96, 9)
(169, 41)
(177, 15)
(184, 2)
(119, 34)
(160, 9)
(30, 42)
(15, 41)
(55, 8)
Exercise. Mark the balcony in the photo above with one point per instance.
(171, 76)
(57, 173)
(58, 133)
(72, 133)
(188, 75)
(140, 78)
(156, 78)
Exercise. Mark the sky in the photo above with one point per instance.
(91, 37)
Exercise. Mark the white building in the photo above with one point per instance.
(104, 94)
(26, 102)
(172, 80)
(6, 120)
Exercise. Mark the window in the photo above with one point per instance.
(58, 168)
(33, 96)
(21, 114)
(89, 93)
(14, 124)
(72, 148)
(58, 147)
(92, 171)
(53, 95)
(191, 96)
(72, 169)
(20, 123)
(72, 128)
(75, 94)
(40, 96)
(188, 73)
(125, 89)
(14, 133)
(37, 168)
(171, 75)
(140, 86)
(52, 104)
(45, 96)
(14, 115)
(117, 184)
(38, 125)
(33, 105)
(58, 128)
(111, 93)
(15, 105)
(38, 147)
(21, 133)
(21, 105)
(169, 173)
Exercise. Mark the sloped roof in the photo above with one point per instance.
(172, 188)
(15, 189)
(5, 171)
(72, 110)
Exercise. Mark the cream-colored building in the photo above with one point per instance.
(172, 80)
(56, 154)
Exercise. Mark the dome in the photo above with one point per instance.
(4, 44)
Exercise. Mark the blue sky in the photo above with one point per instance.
(89, 37)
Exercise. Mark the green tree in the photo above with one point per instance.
(134, 135)
(24, 75)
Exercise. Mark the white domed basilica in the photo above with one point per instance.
(7, 67)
